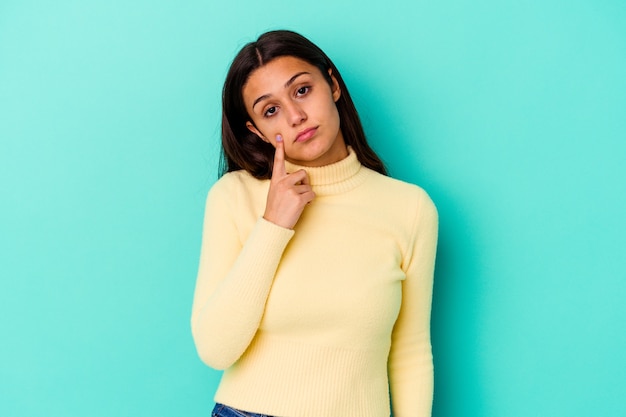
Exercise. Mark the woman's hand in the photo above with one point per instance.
(288, 193)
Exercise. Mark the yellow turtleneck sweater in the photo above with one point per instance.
(328, 319)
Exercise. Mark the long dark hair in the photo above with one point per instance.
(242, 149)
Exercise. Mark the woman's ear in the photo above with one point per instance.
(335, 89)
(252, 128)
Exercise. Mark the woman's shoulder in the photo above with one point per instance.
(233, 185)
(399, 190)
(405, 207)
(234, 180)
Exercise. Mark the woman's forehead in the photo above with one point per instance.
(275, 76)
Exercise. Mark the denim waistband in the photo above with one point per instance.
(221, 410)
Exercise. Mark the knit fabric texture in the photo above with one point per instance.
(329, 319)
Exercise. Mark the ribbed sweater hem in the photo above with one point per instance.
(283, 378)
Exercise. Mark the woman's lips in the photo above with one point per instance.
(306, 134)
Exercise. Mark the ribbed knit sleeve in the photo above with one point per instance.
(235, 276)
(410, 363)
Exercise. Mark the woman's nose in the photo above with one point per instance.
(295, 114)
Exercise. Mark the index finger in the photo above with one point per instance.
(279, 170)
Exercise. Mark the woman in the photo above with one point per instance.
(315, 278)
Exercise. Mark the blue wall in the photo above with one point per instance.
(511, 114)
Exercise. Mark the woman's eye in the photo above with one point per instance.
(270, 111)
(303, 90)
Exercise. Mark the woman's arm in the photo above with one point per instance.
(234, 278)
(410, 359)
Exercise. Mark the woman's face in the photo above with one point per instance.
(291, 98)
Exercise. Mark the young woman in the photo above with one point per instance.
(315, 278)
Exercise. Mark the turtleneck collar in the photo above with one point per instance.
(335, 178)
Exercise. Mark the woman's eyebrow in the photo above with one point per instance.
(287, 84)
(292, 79)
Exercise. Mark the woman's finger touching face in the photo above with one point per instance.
(290, 97)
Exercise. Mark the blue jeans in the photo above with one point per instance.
(222, 410)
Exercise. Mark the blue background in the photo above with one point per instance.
(511, 114)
